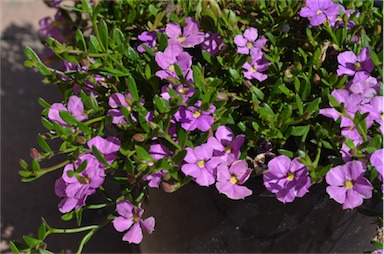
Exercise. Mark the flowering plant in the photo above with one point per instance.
(212, 93)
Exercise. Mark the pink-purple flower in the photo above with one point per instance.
(167, 60)
(148, 38)
(253, 70)
(201, 165)
(189, 37)
(248, 42)
(287, 178)
(108, 147)
(225, 145)
(377, 160)
(347, 184)
(230, 180)
(319, 10)
(74, 187)
(155, 178)
(131, 219)
(116, 101)
(192, 117)
(212, 43)
(349, 63)
(75, 106)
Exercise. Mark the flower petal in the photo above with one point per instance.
(122, 224)
(134, 235)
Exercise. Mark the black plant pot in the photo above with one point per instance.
(197, 219)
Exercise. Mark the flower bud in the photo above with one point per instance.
(138, 137)
(131, 179)
(81, 140)
(34, 153)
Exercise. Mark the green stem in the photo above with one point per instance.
(72, 230)
(53, 168)
(316, 162)
(89, 235)
(94, 120)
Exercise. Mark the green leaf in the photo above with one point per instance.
(46, 123)
(35, 165)
(68, 118)
(160, 104)
(80, 41)
(299, 130)
(118, 36)
(182, 137)
(133, 88)
(13, 247)
(299, 104)
(86, 6)
(82, 166)
(43, 69)
(207, 56)
(41, 231)
(94, 46)
(103, 33)
(99, 156)
(143, 154)
(43, 144)
(43, 103)
(286, 152)
(179, 157)
(198, 78)
(31, 241)
(31, 54)
(67, 216)
(23, 164)
(84, 128)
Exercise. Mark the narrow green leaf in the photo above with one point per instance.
(133, 88)
(41, 231)
(103, 33)
(99, 156)
(299, 104)
(160, 104)
(43, 144)
(68, 118)
(31, 241)
(143, 154)
(67, 216)
(35, 165)
(43, 69)
(80, 40)
(179, 157)
(23, 164)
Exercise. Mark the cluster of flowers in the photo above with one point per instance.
(348, 185)
(218, 160)
(326, 10)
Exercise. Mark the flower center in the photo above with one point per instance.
(196, 114)
(228, 149)
(249, 45)
(183, 90)
(233, 180)
(348, 184)
(290, 176)
(181, 39)
(253, 69)
(201, 164)
(319, 12)
(171, 67)
(135, 218)
(357, 66)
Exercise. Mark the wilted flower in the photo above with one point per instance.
(131, 219)
(212, 43)
(347, 184)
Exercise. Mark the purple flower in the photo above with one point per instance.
(75, 187)
(225, 145)
(155, 178)
(149, 39)
(319, 10)
(58, 28)
(376, 112)
(192, 117)
(366, 86)
(183, 90)
(347, 184)
(172, 55)
(201, 165)
(288, 179)
(377, 160)
(131, 219)
(212, 43)
(253, 70)
(339, 18)
(349, 63)
(248, 42)
(116, 101)
(108, 147)
(229, 180)
(75, 106)
(190, 37)
(159, 151)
